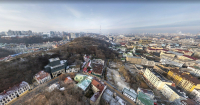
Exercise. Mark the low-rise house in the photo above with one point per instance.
(79, 77)
(42, 77)
(11, 94)
(98, 61)
(156, 79)
(56, 66)
(73, 69)
(68, 80)
(98, 88)
(85, 84)
(184, 80)
(130, 93)
(52, 87)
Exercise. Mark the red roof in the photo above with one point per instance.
(67, 79)
(98, 84)
(190, 57)
(183, 50)
(41, 75)
(85, 69)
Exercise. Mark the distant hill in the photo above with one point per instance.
(25, 66)
(4, 52)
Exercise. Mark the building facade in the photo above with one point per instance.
(11, 94)
(56, 66)
(155, 79)
(42, 77)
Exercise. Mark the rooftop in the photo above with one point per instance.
(162, 78)
(98, 84)
(53, 59)
(97, 68)
(186, 76)
(13, 89)
(40, 75)
(145, 99)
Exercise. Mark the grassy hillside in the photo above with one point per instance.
(23, 67)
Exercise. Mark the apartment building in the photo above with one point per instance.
(155, 79)
(11, 94)
(183, 80)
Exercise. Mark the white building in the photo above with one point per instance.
(72, 69)
(42, 77)
(9, 95)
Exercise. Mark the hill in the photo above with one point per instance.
(24, 67)
(4, 52)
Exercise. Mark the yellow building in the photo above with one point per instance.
(144, 41)
(184, 80)
(155, 79)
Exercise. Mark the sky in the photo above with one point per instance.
(131, 17)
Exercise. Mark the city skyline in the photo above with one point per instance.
(112, 17)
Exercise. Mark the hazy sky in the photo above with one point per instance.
(131, 17)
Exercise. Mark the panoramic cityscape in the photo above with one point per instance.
(99, 54)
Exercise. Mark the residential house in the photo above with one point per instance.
(130, 93)
(98, 88)
(79, 77)
(73, 69)
(156, 79)
(184, 80)
(12, 93)
(42, 77)
(152, 49)
(56, 66)
(68, 80)
(85, 84)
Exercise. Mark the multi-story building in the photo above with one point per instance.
(11, 94)
(195, 69)
(56, 66)
(184, 80)
(42, 77)
(155, 79)
(171, 93)
(164, 68)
